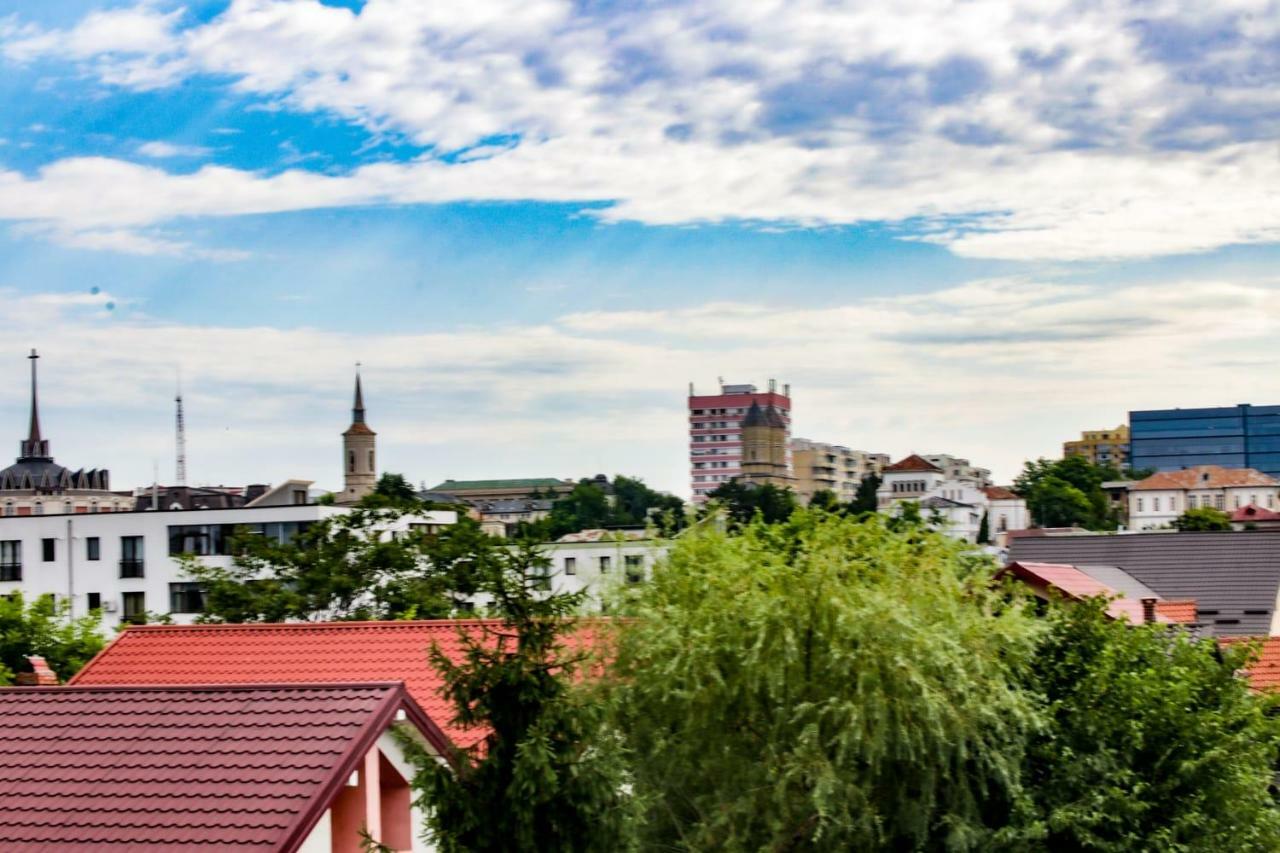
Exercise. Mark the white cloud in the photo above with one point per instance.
(997, 370)
(160, 149)
(1069, 129)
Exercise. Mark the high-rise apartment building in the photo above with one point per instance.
(715, 432)
(1101, 446)
(820, 466)
(1242, 436)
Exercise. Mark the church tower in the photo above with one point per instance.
(359, 453)
(764, 447)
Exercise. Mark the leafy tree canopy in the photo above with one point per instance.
(346, 567)
(1203, 518)
(1067, 492)
(45, 628)
(823, 684)
(744, 500)
(865, 500)
(626, 502)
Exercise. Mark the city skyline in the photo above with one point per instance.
(535, 223)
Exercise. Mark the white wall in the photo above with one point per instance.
(72, 575)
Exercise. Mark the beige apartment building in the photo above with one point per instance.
(1101, 446)
(818, 465)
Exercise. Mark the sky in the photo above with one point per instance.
(966, 227)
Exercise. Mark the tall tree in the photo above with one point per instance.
(44, 627)
(865, 500)
(825, 500)
(1066, 492)
(547, 776)
(743, 501)
(823, 684)
(1153, 742)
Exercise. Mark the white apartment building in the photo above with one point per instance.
(955, 492)
(1159, 500)
(126, 564)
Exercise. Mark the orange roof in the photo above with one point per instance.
(307, 652)
(912, 463)
(1183, 611)
(1205, 477)
(1075, 583)
(1253, 512)
(1000, 493)
(1264, 673)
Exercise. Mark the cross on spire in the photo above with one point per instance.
(35, 447)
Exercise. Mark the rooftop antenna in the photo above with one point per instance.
(180, 425)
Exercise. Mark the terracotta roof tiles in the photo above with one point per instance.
(1204, 477)
(914, 462)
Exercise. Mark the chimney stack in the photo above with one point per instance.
(1148, 610)
(40, 676)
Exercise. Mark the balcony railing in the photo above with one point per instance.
(10, 571)
(131, 568)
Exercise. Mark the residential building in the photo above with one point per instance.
(503, 517)
(478, 491)
(1242, 436)
(1234, 577)
(359, 454)
(268, 767)
(766, 453)
(819, 466)
(1253, 517)
(37, 485)
(1101, 446)
(955, 492)
(128, 564)
(1157, 501)
(715, 433)
(1127, 597)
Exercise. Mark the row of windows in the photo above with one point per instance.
(712, 478)
(68, 507)
(698, 466)
(909, 486)
(204, 540)
(633, 564)
(703, 439)
(729, 411)
(1206, 502)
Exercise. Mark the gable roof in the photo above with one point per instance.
(914, 462)
(1233, 576)
(1253, 512)
(1081, 582)
(201, 768)
(531, 483)
(295, 652)
(1204, 477)
(1000, 493)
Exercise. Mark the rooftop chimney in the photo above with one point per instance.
(1148, 610)
(40, 676)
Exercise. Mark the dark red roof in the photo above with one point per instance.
(295, 652)
(208, 768)
(1077, 584)
(1000, 493)
(1253, 512)
(912, 463)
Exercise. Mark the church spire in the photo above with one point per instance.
(357, 409)
(34, 447)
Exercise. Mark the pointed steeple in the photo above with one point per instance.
(357, 409)
(34, 447)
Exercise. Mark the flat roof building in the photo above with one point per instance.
(716, 440)
(1243, 436)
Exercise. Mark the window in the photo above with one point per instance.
(1002, 525)
(95, 600)
(1155, 504)
(1140, 505)
(48, 550)
(9, 509)
(92, 548)
(198, 539)
(38, 509)
(1235, 499)
(131, 557)
(1220, 501)
(570, 565)
(371, 467)
(134, 607)
(186, 598)
(1191, 501)
(634, 566)
(604, 564)
(351, 461)
(11, 560)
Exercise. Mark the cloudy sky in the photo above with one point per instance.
(969, 227)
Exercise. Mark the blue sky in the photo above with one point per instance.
(974, 228)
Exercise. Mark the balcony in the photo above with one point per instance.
(131, 568)
(10, 571)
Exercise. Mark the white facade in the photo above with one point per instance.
(955, 493)
(1152, 509)
(126, 563)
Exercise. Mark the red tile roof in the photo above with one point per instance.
(912, 463)
(1253, 512)
(1195, 478)
(1264, 673)
(198, 768)
(1183, 611)
(295, 652)
(1075, 583)
(1000, 493)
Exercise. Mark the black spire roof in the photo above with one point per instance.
(34, 448)
(766, 417)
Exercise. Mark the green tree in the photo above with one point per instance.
(984, 529)
(45, 628)
(547, 776)
(865, 500)
(744, 500)
(1154, 741)
(392, 491)
(345, 567)
(584, 508)
(1053, 502)
(825, 500)
(1066, 492)
(1203, 518)
(823, 684)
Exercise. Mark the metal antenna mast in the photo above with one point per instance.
(181, 425)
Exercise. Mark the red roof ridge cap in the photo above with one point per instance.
(210, 686)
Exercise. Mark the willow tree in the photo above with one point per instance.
(825, 684)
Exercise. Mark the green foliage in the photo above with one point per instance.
(45, 628)
(548, 776)
(392, 491)
(823, 684)
(1203, 518)
(865, 500)
(984, 529)
(346, 567)
(743, 501)
(1154, 742)
(1067, 492)
(589, 506)
(825, 500)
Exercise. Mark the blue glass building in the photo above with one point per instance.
(1241, 436)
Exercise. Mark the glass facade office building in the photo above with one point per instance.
(1241, 436)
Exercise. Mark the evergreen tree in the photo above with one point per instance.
(865, 500)
(984, 529)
